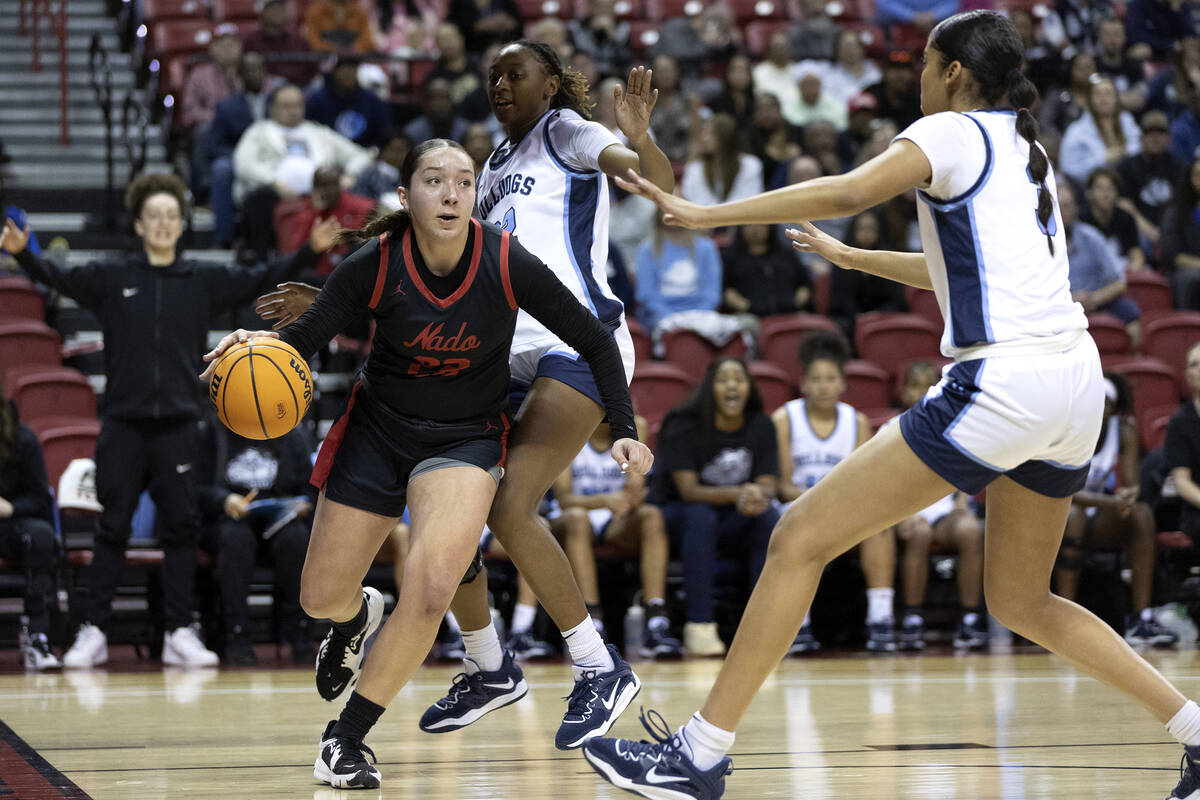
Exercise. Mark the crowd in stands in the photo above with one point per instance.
(279, 142)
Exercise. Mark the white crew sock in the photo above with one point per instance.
(522, 619)
(708, 743)
(587, 649)
(879, 605)
(1185, 725)
(483, 648)
(452, 623)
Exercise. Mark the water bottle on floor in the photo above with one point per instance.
(635, 624)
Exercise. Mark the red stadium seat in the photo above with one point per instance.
(780, 335)
(760, 31)
(746, 11)
(867, 385)
(61, 446)
(889, 339)
(775, 385)
(158, 10)
(642, 346)
(924, 303)
(1168, 338)
(625, 10)
(28, 342)
(56, 391)
(1153, 383)
(20, 299)
(232, 10)
(1149, 290)
(692, 353)
(879, 416)
(1152, 425)
(642, 36)
(851, 10)
(873, 39)
(1110, 334)
(660, 10)
(533, 10)
(178, 37)
(657, 388)
(821, 291)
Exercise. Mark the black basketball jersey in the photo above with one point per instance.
(443, 355)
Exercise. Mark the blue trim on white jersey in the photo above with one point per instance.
(989, 161)
(579, 217)
(964, 276)
(554, 155)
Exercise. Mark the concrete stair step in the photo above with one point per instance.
(10, 41)
(76, 151)
(84, 132)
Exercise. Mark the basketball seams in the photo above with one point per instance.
(275, 344)
(254, 392)
(288, 384)
(225, 388)
(251, 392)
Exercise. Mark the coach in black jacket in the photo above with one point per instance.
(155, 309)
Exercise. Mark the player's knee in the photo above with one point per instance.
(1013, 602)
(797, 544)
(322, 601)
(916, 531)
(433, 596)
(968, 534)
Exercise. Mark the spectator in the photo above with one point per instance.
(439, 120)
(776, 75)
(921, 13)
(477, 141)
(1042, 60)
(232, 117)
(761, 278)
(603, 506)
(1097, 279)
(295, 217)
(861, 112)
(1185, 127)
(818, 105)
(552, 31)
(27, 530)
(603, 37)
(208, 83)
(853, 293)
(1126, 73)
(354, 112)
(1101, 137)
(813, 435)
(814, 33)
(1116, 225)
(1181, 239)
(251, 494)
(155, 308)
(1075, 23)
(1145, 178)
(1181, 450)
(453, 63)
(17, 215)
(820, 142)
(897, 93)
(1061, 107)
(719, 173)
(773, 141)
(338, 26)
(676, 270)
(695, 41)
(717, 479)
(674, 114)
(1107, 515)
(282, 48)
(379, 181)
(950, 522)
(1158, 25)
(475, 106)
(850, 73)
(485, 22)
(276, 158)
(737, 95)
(1173, 88)
(413, 30)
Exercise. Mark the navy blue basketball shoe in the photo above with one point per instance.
(471, 696)
(596, 701)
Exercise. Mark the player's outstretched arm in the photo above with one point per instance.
(634, 103)
(286, 303)
(906, 268)
(632, 456)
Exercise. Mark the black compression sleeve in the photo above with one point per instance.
(539, 291)
(343, 297)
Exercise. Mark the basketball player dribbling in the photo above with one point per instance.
(1019, 412)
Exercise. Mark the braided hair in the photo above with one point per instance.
(824, 346)
(988, 45)
(572, 86)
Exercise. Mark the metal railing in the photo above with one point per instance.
(29, 20)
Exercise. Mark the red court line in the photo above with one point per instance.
(25, 775)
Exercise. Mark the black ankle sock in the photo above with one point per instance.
(352, 626)
(357, 718)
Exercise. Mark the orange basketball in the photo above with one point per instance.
(261, 388)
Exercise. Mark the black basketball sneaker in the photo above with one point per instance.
(340, 658)
(342, 762)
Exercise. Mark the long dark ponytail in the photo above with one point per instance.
(398, 220)
(572, 86)
(988, 45)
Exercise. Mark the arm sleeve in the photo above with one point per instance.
(342, 299)
(538, 291)
(235, 286)
(956, 150)
(764, 446)
(578, 142)
(35, 499)
(81, 284)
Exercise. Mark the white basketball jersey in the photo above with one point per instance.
(595, 472)
(548, 191)
(812, 456)
(988, 257)
(1104, 462)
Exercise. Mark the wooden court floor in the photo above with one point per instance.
(1000, 726)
